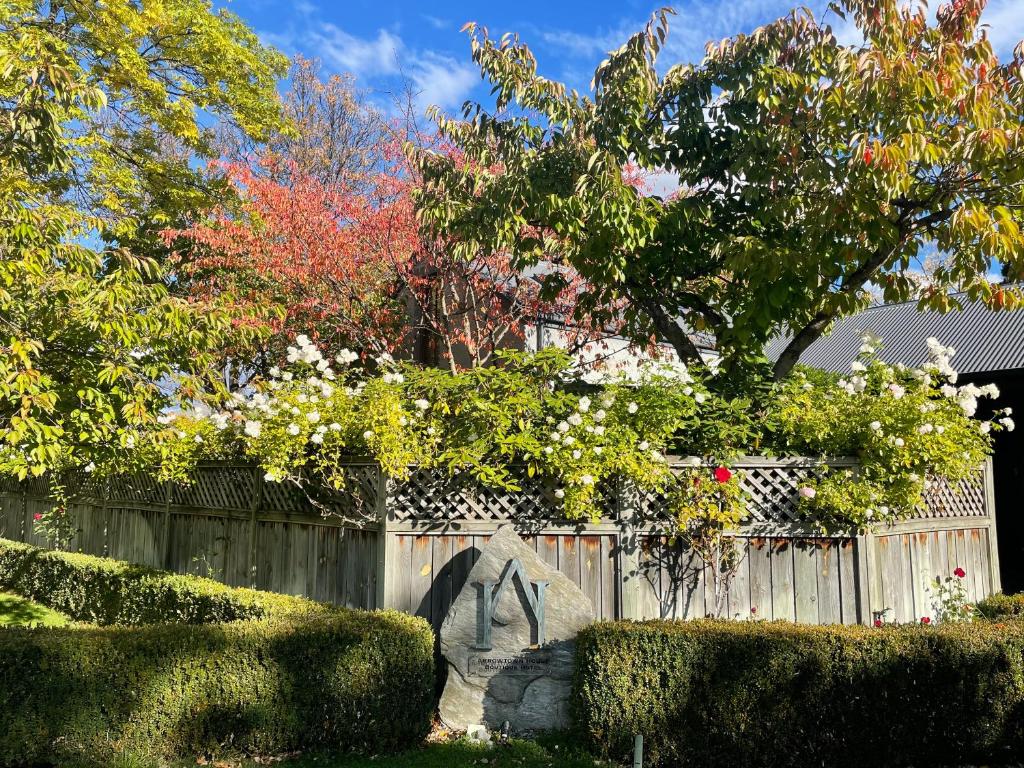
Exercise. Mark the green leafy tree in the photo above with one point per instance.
(92, 347)
(810, 172)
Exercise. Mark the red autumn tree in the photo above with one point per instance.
(345, 263)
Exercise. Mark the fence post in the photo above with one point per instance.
(990, 512)
(165, 534)
(254, 506)
(105, 514)
(630, 581)
(385, 580)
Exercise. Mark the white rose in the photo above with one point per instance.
(632, 407)
(644, 445)
(584, 404)
(598, 450)
(563, 426)
(575, 419)
(599, 415)
(548, 449)
(1008, 424)
(559, 494)
(700, 397)
(422, 404)
(875, 425)
(598, 430)
(368, 434)
(252, 428)
(587, 480)
(577, 454)
(293, 429)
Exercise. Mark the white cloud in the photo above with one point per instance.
(441, 80)
(360, 56)
(435, 21)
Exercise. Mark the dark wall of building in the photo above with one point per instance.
(1008, 467)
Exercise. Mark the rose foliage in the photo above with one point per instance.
(904, 426)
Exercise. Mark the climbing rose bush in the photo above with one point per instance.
(319, 409)
(904, 426)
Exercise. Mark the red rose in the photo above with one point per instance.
(926, 620)
(868, 155)
(37, 516)
(878, 622)
(959, 573)
(723, 475)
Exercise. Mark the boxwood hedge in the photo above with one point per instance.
(772, 694)
(102, 591)
(285, 674)
(1000, 607)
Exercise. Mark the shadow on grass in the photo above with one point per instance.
(17, 611)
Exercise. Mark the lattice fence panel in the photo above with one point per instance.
(770, 489)
(217, 487)
(355, 502)
(943, 499)
(140, 487)
(434, 495)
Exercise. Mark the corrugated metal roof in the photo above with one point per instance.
(984, 339)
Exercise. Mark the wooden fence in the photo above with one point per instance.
(410, 545)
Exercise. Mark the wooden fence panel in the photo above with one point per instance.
(411, 545)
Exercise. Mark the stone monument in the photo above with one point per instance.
(509, 641)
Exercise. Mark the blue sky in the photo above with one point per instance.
(381, 41)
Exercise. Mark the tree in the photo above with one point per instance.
(92, 347)
(345, 263)
(808, 171)
(326, 243)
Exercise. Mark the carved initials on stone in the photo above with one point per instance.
(491, 596)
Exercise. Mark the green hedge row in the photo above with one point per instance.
(305, 676)
(712, 694)
(1000, 607)
(102, 591)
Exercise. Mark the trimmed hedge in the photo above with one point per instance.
(777, 694)
(102, 591)
(300, 675)
(1001, 607)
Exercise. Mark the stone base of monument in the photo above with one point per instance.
(509, 641)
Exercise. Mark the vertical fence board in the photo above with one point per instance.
(739, 589)
(783, 600)
(805, 581)
(849, 584)
(759, 555)
(829, 595)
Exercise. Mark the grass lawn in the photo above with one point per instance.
(16, 611)
(455, 754)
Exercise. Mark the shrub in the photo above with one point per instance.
(290, 674)
(349, 680)
(102, 591)
(772, 694)
(1001, 607)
